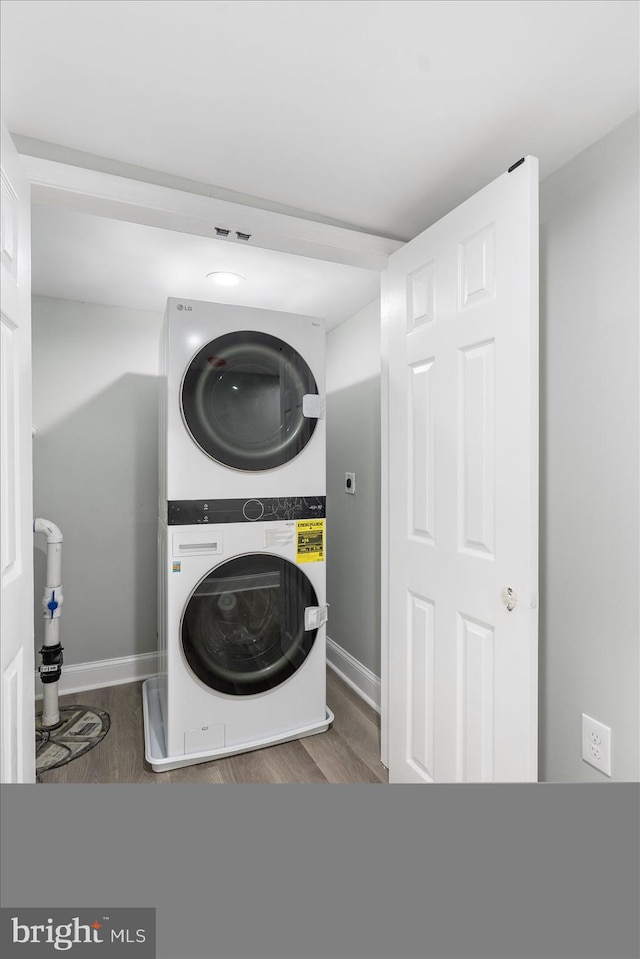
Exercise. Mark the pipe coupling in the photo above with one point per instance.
(51, 668)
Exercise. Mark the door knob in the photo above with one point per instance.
(509, 598)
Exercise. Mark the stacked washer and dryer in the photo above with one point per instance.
(241, 534)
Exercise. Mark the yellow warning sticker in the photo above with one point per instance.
(310, 540)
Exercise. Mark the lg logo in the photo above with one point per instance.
(181, 306)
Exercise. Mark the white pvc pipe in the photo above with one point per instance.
(51, 602)
(50, 708)
(53, 532)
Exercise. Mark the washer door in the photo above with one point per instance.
(242, 401)
(243, 625)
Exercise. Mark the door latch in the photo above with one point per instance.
(509, 598)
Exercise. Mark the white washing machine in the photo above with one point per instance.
(242, 404)
(242, 636)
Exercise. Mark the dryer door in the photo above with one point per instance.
(243, 625)
(242, 400)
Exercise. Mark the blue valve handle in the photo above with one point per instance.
(53, 603)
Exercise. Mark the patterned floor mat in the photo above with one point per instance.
(81, 728)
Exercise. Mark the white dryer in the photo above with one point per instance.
(242, 404)
(242, 635)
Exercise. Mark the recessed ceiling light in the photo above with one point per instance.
(225, 279)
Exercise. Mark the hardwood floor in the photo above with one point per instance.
(347, 753)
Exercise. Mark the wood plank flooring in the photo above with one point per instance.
(347, 753)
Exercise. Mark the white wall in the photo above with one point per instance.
(95, 372)
(353, 522)
(353, 349)
(589, 612)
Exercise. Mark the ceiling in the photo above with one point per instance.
(99, 260)
(374, 114)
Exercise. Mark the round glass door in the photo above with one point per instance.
(242, 401)
(243, 626)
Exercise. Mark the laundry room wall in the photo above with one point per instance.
(95, 381)
(589, 473)
(353, 521)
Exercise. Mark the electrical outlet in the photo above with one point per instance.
(596, 744)
(350, 483)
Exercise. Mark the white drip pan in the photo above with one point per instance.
(154, 741)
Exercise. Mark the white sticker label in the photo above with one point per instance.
(313, 406)
(279, 534)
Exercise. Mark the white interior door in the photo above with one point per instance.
(17, 735)
(460, 318)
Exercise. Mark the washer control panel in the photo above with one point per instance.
(270, 509)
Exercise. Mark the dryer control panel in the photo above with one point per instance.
(254, 510)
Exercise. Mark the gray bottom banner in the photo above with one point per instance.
(328, 871)
(79, 933)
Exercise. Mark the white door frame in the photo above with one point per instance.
(384, 532)
(17, 743)
(118, 197)
(136, 201)
(112, 196)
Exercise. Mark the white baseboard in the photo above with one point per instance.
(365, 683)
(105, 672)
